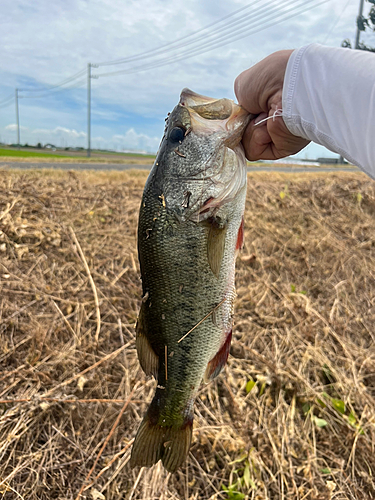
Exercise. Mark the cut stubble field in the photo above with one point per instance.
(292, 416)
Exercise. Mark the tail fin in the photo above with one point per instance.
(154, 442)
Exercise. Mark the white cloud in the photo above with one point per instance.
(62, 137)
(44, 42)
(60, 131)
(132, 140)
(13, 127)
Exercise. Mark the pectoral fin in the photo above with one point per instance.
(215, 246)
(148, 360)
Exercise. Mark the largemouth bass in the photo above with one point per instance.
(190, 228)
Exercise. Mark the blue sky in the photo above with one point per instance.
(44, 43)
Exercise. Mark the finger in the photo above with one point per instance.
(270, 140)
(260, 118)
(256, 140)
(256, 86)
(283, 143)
(246, 92)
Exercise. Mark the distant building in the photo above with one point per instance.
(332, 161)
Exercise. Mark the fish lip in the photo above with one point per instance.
(189, 98)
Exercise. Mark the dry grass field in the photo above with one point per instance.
(291, 417)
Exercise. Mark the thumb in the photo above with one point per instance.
(246, 93)
(256, 87)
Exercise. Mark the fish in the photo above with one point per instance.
(191, 226)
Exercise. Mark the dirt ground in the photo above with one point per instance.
(292, 416)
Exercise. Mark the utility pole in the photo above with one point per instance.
(358, 30)
(18, 121)
(89, 110)
(89, 77)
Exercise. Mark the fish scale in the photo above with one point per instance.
(190, 220)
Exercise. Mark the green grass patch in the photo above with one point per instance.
(117, 153)
(26, 154)
(77, 156)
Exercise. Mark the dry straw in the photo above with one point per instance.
(293, 414)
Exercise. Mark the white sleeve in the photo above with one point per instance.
(329, 98)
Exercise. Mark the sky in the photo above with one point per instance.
(44, 43)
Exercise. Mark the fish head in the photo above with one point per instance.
(201, 163)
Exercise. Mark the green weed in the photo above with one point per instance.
(244, 482)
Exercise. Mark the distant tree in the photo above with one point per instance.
(39, 146)
(363, 24)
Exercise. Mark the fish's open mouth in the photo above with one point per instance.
(207, 107)
(209, 115)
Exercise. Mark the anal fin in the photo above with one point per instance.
(217, 363)
(148, 360)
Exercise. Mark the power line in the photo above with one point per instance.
(225, 30)
(288, 14)
(7, 104)
(196, 43)
(17, 96)
(48, 94)
(51, 87)
(9, 98)
(152, 52)
(215, 34)
(336, 21)
(193, 51)
(54, 92)
(160, 51)
(46, 89)
(213, 43)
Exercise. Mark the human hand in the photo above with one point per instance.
(259, 90)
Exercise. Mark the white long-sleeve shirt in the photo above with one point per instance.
(329, 98)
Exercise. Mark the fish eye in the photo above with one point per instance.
(177, 134)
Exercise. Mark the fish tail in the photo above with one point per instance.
(155, 442)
